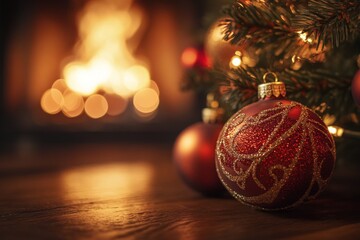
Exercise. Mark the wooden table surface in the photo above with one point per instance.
(132, 191)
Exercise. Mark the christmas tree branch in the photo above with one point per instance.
(266, 26)
(311, 45)
(254, 20)
(319, 90)
(329, 21)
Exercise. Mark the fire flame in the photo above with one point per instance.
(104, 72)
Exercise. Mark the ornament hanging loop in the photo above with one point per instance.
(273, 89)
(266, 75)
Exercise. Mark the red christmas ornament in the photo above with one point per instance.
(355, 88)
(194, 154)
(275, 153)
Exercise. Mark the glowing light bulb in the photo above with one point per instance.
(236, 60)
(336, 131)
(304, 37)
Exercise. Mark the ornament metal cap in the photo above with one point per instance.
(271, 89)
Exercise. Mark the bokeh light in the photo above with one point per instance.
(189, 56)
(52, 101)
(236, 60)
(60, 85)
(116, 104)
(80, 79)
(154, 86)
(304, 37)
(136, 77)
(73, 104)
(146, 100)
(96, 106)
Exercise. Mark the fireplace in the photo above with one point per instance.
(79, 66)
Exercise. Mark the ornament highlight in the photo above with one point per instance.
(275, 153)
(223, 54)
(217, 49)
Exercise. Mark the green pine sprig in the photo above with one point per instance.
(267, 27)
(255, 21)
(317, 89)
(329, 21)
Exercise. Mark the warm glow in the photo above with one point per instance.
(236, 61)
(248, 61)
(79, 78)
(96, 106)
(73, 104)
(117, 104)
(146, 100)
(214, 104)
(304, 37)
(329, 119)
(189, 56)
(217, 34)
(336, 131)
(60, 85)
(154, 86)
(106, 181)
(52, 101)
(136, 77)
(104, 62)
(107, 185)
(116, 85)
(188, 141)
(101, 70)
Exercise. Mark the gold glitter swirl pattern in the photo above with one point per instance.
(237, 168)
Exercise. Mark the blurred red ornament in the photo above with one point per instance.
(194, 151)
(219, 51)
(223, 54)
(195, 58)
(355, 88)
(275, 153)
(194, 157)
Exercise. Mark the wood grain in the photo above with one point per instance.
(131, 191)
